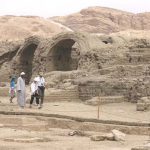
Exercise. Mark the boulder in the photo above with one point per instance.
(118, 136)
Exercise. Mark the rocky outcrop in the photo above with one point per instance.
(105, 20)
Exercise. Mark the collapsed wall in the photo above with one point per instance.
(124, 69)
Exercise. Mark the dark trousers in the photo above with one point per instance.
(41, 90)
(34, 96)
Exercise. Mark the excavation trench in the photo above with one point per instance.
(40, 121)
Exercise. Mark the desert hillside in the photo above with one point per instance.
(93, 20)
(18, 28)
(104, 20)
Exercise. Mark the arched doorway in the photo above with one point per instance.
(63, 56)
(26, 61)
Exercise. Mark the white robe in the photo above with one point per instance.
(21, 96)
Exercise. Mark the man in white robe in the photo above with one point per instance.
(21, 96)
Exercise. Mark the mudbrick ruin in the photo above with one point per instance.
(93, 65)
(84, 72)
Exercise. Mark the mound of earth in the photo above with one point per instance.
(15, 28)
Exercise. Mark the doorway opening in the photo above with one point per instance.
(26, 61)
(63, 56)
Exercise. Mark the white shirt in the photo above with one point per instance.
(34, 87)
(41, 81)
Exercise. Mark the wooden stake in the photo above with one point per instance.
(98, 107)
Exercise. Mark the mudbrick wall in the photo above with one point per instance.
(105, 65)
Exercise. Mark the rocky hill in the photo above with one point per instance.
(105, 20)
(93, 20)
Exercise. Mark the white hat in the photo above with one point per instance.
(36, 79)
(22, 73)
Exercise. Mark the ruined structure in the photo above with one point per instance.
(105, 65)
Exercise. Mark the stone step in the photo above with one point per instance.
(62, 95)
(50, 99)
(140, 50)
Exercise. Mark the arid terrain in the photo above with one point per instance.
(95, 60)
(15, 28)
(91, 20)
(36, 131)
(105, 20)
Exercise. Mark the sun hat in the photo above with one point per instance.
(22, 73)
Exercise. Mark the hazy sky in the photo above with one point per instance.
(47, 8)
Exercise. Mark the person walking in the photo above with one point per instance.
(41, 87)
(34, 93)
(21, 90)
(12, 90)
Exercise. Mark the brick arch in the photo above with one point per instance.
(64, 50)
(25, 56)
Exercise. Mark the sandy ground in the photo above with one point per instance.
(117, 111)
(15, 138)
(58, 139)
